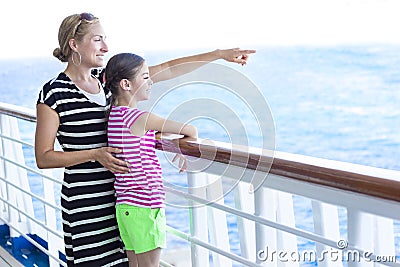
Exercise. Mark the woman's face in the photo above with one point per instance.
(93, 47)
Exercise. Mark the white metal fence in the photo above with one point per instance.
(266, 227)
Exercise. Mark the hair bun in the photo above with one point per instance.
(59, 55)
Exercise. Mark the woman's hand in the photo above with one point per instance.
(235, 55)
(182, 162)
(105, 156)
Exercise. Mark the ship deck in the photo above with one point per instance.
(6, 259)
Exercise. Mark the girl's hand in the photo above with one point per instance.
(105, 156)
(236, 55)
(182, 162)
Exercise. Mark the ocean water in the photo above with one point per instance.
(339, 103)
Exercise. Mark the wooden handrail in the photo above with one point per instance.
(371, 181)
(374, 182)
(361, 179)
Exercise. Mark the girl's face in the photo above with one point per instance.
(142, 84)
(93, 47)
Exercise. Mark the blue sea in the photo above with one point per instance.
(339, 103)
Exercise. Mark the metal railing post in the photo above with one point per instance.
(217, 222)
(360, 234)
(326, 223)
(197, 183)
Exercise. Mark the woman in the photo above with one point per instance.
(71, 108)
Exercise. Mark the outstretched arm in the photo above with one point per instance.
(179, 66)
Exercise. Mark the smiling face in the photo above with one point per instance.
(92, 46)
(127, 77)
(142, 84)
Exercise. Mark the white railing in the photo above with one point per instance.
(266, 226)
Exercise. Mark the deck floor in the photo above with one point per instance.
(7, 260)
(179, 258)
(3, 262)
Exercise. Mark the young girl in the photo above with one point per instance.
(140, 204)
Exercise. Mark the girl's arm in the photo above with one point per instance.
(150, 121)
(177, 67)
(46, 157)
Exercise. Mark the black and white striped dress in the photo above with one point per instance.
(87, 197)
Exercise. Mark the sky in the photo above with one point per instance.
(29, 28)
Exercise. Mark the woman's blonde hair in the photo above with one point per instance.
(74, 26)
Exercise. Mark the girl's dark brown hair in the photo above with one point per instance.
(119, 67)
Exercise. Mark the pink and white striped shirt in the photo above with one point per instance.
(143, 185)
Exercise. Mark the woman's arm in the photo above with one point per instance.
(177, 67)
(46, 157)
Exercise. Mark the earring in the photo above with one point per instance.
(80, 58)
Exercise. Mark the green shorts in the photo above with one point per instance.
(141, 229)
